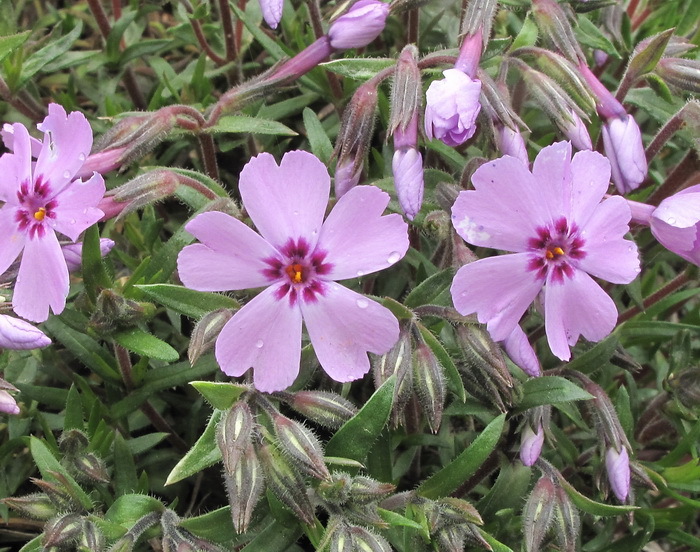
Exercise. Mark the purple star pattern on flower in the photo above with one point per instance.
(41, 199)
(298, 256)
(561, 235)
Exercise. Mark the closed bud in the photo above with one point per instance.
(91, 538)
(567, 523)
(8, 404)
(364, 514)
(341, 540)
(354, 137)
(531, 444)
(683, 74)
(336, 490)
(90, 468)
(517, 346)
(37, 506)
(205, 333)
(124, 544)
(143, 190)
(482, 353)
(57, 493)
(451, 539)
(301, 445)
(407, 168)
(244, 485)
(285, 482)
(554, 24)
(366, 541)
(473, 534)
(685, 386)
(73, 441)
(62, 530)
(647, 54)
(609, 427)
(622, 141)
(20, 335)
(406, 90)
(234, 434)
(478, 18)
(73, 253)
(617, 464)
(113, 311)
(396, 362)
(358, 26)
(538, 513)
(509, 141)
(364, 490)
(429, 384)
(325, 408)
(459, 511)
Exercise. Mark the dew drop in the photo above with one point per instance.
(81, 157)
(72, 221)
(259, 343)
(362, 303)
(360, 273)
(296, 213)
(393, 257)
(671, 220)
(66, 174)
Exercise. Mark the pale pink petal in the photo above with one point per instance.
(531, 445)
(76, 207)
(67, 143)
(286, 201)
(358, 239)
(576, 307)
(8, 405)
(617, 464)
(498, 290)
(15, 168)
(608, 255)
(18, 334)
(265, 335)
(272, 12)
(518, 348)
(552, 172)
(12, 241)
(343, 326)
(8, 137)
(505, 208)
(590, 181)
(682, 241)
(73, 253)
(230, 256)
(681, 210)
(42, 281)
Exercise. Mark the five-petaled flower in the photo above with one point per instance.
(41, 199)
(561, 235)
(299, 257)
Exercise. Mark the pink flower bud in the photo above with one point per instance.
(407, 166)
(359, 26)
(272, 11)
(622, 140)
(8, 405)
(102, 162)
(520, 351)
(73, 253)
(510, 142)
(346, 177)
(617, 465)
(452, 108)
(577, 132)
(531, 445)
(18, 334)
(676, 224)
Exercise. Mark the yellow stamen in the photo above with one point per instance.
(40, 214)
(549, 254)
(294, 272)
(558, 251)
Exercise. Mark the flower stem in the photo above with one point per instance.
(679, 281)
(674, 124)
(688, 168)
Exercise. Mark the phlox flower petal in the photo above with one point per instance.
(358, 239)
(8, 405)
(12, 241)
(230, 255)
(42, 280)
(77, 210)
(264, 334)
(18, 334)
(498, 290)
(590, 179)
(16, 166)
(574, 308)
(344, 327)
(272, 12)
(286, 201)
(520, 351)
(552, 172)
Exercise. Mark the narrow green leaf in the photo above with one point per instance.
(203, 454)
(434, 290)
(189, 302)
(74, 410)
(589, 33)
(47, 463)
(276, 537)
(596, 357)
(550, 390)
(397, 520)
(130, 508)
(358, 68)
(95, 275)
(646, 59)
(461, 468)
(125, 476)
(145, 344)
(251, 125)
(591, 506)
(321, 145)
(8, 44)
(215, 526)
(221, 395)
(496, 546)
(454, 380)
(355, 438)
(48, 53)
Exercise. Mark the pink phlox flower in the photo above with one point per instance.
(18, 334)
(272, 12)
(676, 223)
(42, 198)
(8, 405)
(452, 105)
(298, 257)
(560, 234)
(622, 140)
(359, 26)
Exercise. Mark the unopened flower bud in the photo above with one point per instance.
(367, 541)
(567, 524)
(73, 253)
(8, 405)
(358, 26)
(531, 444)
(676, 224)
(102, 162)
(62, 530)
(396, 362)
(234, 434)
(113, 311)
(90, 468)
(325, 408)
(18, 334)
(685, 385)
(451, 538)
(405, 93)
(407, 168)
(301, 445)
(336, 490)
(57, 493)
(285, 482)
(608, 423)
(459, 511)
(341, 539)
(538, 513)
(518, 348)
(683, 74)
(510, 142)
(646, 55)
(624, 149)
(205, 333)
(364, 490)
(91, 538)
(124, 544)
(554, 24)
(272, 12)
(37, 506)
(617, 464)
(575, 130)
(244, 485)
(482, 353)
(143, 190)
(354, 136)
(429, 384)
(72, 442)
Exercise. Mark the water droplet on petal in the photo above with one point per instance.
(72, 221)
(671, 220)
(362, 303)
(360, 273)
(259, 343)
(393, 257)
(81, 157)
(296, 213)
(66, 174)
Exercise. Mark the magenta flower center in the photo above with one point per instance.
(298, 271)
(556, 249)
(35, 207)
